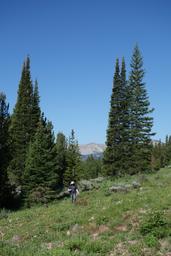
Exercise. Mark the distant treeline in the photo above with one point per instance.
(35, 164)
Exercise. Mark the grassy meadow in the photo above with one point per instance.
(133, 223)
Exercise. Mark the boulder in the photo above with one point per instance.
(97, 180)
(136, 184)
(63, 194)
(85, 185)
(125, 187)
(120, 188)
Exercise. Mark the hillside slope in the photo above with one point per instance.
(133, 223)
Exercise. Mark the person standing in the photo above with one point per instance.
(73, 190)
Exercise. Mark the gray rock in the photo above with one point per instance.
(120, 188)
(85, 185)
(136, 184)
(63, 194)
(98, 180)
(125, 187)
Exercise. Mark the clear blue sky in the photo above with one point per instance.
(73, 45)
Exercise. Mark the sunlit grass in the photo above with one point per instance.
(99, 224)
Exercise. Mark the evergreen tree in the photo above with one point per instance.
(124, 121)
(73, 161)
(35, 110)
(117, 133)
(23, 123)
(41, 162)
(139, 118)
(61, 150)
(167, 150)
(92, 168)
(4, 150)
(158, 156)
(4, 133)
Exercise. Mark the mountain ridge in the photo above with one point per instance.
(97, 149)
(92, 148)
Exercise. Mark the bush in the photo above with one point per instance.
(4, 213)
(40, 195)
(151, 241)
(155, 224)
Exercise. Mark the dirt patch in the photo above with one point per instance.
(165, 245)
(95, 230)
(103, 229)
(121, 228)
(134, 222)
(82, 202)
(120, 250)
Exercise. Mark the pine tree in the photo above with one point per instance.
(92, 168)
(35, 110)
(4, 150)
(124, 121)
(158, 159)
(23, 123)
(139, 118)
(61, 150)
(73, 161)
(117, 133)
(41, 163)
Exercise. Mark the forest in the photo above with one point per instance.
(36, 164)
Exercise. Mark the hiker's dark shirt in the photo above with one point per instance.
(72, 189)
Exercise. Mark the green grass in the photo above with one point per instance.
(99, 224)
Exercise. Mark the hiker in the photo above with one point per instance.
(73, 190)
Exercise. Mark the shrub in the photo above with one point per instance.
(4, 213)
(155, 224)
(151, 241)
(40, 195)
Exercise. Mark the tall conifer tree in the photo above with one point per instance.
(35, 109)
(140, 121)
(117, 132)
(41, 161)
(73, 161)
(61, 150)
(4, 149)
(23, 123)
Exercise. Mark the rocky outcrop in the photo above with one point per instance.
(124, 187)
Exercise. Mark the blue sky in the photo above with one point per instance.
(73, 45)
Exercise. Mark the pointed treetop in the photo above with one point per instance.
(117, 66)
(36, 89)
(123, 70)
(27, 62)
(137, 60)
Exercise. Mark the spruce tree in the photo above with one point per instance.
(35, 109)
(117, 133)
(23, 123)
(92, 168)
(61, 151)
(139, 117)
(124, 121)
(41, 172)
(4, 150)
(158, 156)
(73, 161)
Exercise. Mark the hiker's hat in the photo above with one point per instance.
(72, 182)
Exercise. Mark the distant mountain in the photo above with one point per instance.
(97, 149)
(92, 149)
(155, 142)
